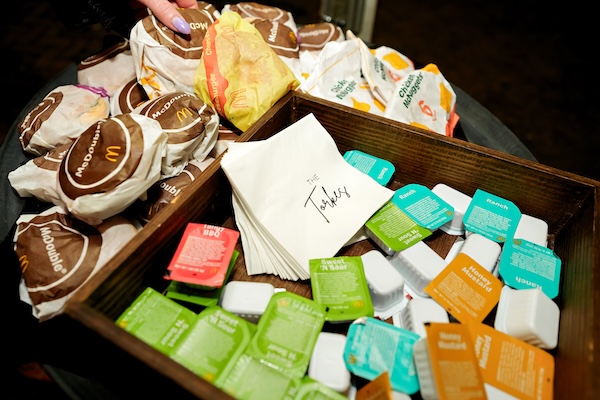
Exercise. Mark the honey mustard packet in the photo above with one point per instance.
(446, 363)
(511, 366)
(465, 289)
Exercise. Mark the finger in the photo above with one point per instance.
(187, 3)
(167, 13)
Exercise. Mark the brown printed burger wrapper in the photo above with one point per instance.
(128, 97)
(239, 75)
(165, 61)
(58, 254)
(109, 69)
(110, 166)
(313, 37)
(61, 116)
(192, 128)
(162, 193)
(252, 10)
(279, 37)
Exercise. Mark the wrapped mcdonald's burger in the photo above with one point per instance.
(127, 98)
(163, 192)
(192, 128)
(239, 74)
(61, 116)
(111, 165)
(253, 10)
(165, 61)
(58, 254)
(109, 69)
(38, 176)
(313, 37)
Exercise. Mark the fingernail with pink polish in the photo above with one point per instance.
(181, 25)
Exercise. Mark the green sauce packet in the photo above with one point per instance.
(340, 286)
(208, 343)
(287, 333)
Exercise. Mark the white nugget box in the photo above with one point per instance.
(533, 230)
(246, 299)
(418, 265)
(386, 285)
(419, 311)
(484, 251)
(459, 201)
(529, 315)
(327, 363)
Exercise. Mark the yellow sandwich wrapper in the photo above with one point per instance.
(239, 75)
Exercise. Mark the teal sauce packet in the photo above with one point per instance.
(377, 168)
(525, 265)
(374, 346)
(492, 216)
(424, 206)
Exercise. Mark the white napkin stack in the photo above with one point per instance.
(295, 198)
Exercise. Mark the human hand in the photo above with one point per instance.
(166, 12)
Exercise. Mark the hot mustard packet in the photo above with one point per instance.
(239, 75)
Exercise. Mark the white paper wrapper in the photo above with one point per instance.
(61, 117)
(38, 176)
(425, 99)
(109, 69)
(337, 77)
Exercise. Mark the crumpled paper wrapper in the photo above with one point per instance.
(239, 74)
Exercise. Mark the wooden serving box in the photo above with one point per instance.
(569, 203)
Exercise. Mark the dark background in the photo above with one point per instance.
(529, 64)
